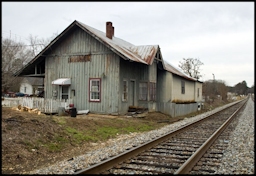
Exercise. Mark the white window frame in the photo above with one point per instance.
(93, 90)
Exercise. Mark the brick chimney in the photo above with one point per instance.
(109, 30)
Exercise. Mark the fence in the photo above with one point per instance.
(44, 105)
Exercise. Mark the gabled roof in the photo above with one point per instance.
(144, 54)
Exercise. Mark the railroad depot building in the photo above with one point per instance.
(106, 75)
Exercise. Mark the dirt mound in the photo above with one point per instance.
(30, 141)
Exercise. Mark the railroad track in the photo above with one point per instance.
(193, 149)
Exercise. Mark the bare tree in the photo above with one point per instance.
(37, 45)
(191, 67)
(208, 91)
(213, 88)
(14, 54)
(222, 89)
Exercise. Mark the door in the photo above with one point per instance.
(64, 93)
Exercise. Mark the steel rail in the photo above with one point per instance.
(190, 163)
(109, 163)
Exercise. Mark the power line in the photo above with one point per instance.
(23, 45)
(11, 34)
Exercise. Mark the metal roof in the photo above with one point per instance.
(176, 71)
(144, 54)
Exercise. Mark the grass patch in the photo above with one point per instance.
(78, 136)
(53, 147)
(106, 132)
(61, 121)
(145, 127)
(129, 129)
(61, 139)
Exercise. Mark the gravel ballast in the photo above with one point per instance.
(238, 158)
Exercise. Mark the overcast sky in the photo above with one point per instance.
(219, 34)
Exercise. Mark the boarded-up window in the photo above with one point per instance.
(84, 58)
(125, 90)
(152, 91)
(183, 87)
(143, 91)
(198, 92)
(95, 89)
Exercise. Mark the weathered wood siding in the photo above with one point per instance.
(134, 73)
(103, 62)
(164, 86)
(152, 74)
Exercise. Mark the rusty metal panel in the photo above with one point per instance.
(146, 52)
(143, 54)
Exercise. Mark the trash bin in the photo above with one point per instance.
(73, 112)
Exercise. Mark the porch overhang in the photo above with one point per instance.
(62, 81)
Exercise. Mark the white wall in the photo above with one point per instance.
(28, 87)
(200, 86)
(189, 94)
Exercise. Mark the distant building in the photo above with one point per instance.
(32, 85)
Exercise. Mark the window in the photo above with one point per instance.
(152, 91)
(183, 87)
(95, 89)
(64, 92)
(125, 90)
(197, 92)
(25, 89)
(143, 91)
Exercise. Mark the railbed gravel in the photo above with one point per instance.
(238, 158)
